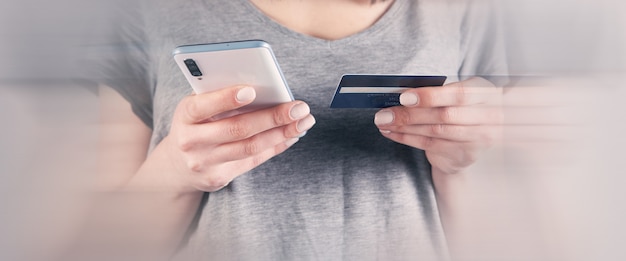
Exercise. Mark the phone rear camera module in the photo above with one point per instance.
(193, 67)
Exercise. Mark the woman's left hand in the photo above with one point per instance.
(452, 123)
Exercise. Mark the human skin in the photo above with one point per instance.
(203, 155)
(206, 154)
(452, 124)
(162, 191)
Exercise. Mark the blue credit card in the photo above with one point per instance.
(378, 91)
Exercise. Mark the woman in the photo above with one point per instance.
(349, 189)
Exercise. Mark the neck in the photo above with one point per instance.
(325, 19)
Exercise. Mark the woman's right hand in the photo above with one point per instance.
(208, 153)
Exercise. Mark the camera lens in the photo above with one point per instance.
(193, 67)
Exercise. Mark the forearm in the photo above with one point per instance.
(455, 203)
(147, 217)
(155, 206)
(160, 193)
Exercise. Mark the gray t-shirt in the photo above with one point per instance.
(343, 191)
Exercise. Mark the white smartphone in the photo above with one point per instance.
(209, 67)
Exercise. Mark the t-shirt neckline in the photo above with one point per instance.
(379, 26)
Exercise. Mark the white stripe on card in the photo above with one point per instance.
(373, 89)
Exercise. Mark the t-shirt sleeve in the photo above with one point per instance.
(483, 43)
(122, 60)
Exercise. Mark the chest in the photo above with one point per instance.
(420, 43)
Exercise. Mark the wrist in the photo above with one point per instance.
(443, 181)
(159, 173)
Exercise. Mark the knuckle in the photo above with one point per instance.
(192, 109)
(448, 114)
(258, 160)
(194, 165)
(438, 129)
(402, 117)
(251, 147)
(215, 181)
(238, 129)
(444, 163)
(279, 117)
(280, 148)
(468, 158)
(290, 131)
(185, 144)
(428, 143)
(454, 169)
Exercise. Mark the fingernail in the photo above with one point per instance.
(290, 142)
(299, 111)
(246, 94)
(305, 124)
(383, 117)
(385, 131)
(409, 99)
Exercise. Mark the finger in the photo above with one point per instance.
(253, 162)
(469, 115)
(240, 167)
(469, 92)
(426, 143)
(200, 108)
(246, 125)
(442, 153)
(460, 133)
(258, 143)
